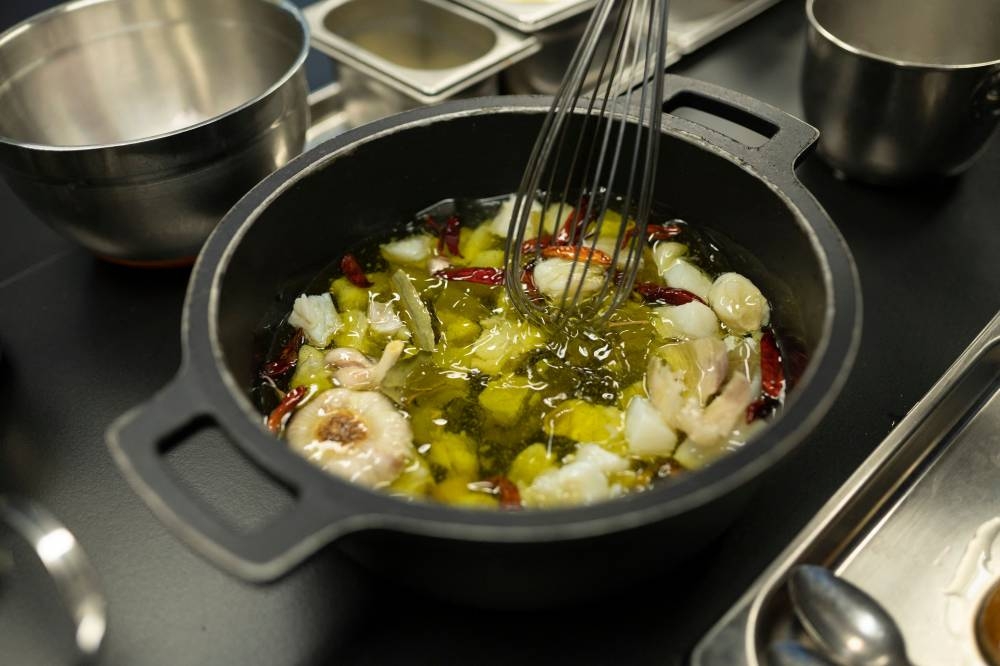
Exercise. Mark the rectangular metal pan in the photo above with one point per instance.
(428, 50)
(694, 23)
(529, 16)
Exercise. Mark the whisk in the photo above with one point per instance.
(598, 144)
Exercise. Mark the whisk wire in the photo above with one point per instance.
(620, 141)
(622, 32)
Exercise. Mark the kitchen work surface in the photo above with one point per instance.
(83, 341)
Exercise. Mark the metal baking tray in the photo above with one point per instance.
(916, 526)
(529, 15)
(694, 23)
(429, 50)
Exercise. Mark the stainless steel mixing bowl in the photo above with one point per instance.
(132, 126)
(902, 89)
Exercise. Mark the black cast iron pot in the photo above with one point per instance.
(302, 217)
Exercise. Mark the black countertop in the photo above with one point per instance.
(83, 341)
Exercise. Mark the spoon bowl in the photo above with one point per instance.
(850, 626)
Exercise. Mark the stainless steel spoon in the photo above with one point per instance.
(849, 625)
(789, 653)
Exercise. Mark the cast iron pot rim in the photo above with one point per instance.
(354, 508)
(904, 64)
(68, 7)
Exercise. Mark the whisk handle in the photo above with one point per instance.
(777, 140)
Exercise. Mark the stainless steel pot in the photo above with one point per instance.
(902, 90)
(132, 127)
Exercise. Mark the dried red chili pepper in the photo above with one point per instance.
(448, 234)
(656, 293)
(762, 408)
(772, 374)
(351, 268)
(451, 236)
(528, 280)
(490, 276)
(585, 254)
(655, 232)
(506, 490)
(540, 243)
(276, 419)
(287, 357)
(432, 225)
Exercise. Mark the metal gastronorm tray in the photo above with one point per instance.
(529, 16)
(916, 526)
(692, 24)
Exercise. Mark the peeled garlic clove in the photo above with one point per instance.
(552, 275)
(711, 427)
(599, 457)
(712, 361)
(666, 253)
(682, 274)
(500, 225)
(645, 431)
(665, 389)
(438, 263)
(691, 320)
(413, 250)
(738, 303)
(573, 484)
(383, 319)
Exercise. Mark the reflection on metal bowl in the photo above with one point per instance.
(132, 127)
(900, 93)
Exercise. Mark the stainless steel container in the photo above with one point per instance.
(543, 72)
(530, 16)
(902, 89)
(132, 127)
(394, 55)
(559, 26)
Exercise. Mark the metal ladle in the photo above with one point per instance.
(850, 626)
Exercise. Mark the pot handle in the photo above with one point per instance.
(781, 140)
(137, 440)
